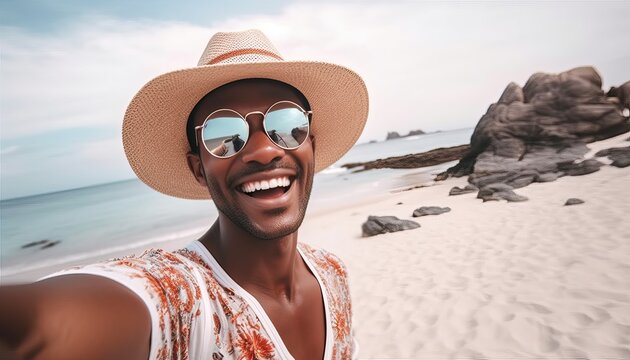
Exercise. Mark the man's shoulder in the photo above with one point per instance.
(325, 259)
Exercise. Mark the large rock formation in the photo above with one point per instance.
(539, 132)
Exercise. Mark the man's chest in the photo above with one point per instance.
(301, 323)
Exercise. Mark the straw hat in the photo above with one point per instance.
(154, 128)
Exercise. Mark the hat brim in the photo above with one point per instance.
(154, 127)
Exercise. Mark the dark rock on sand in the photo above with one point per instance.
(581, 168)
(459, 191)
(384, 224)
(620, 156)
(573, 201)
(537, 133)
(430, 210)
(499, 191)
(411, 161)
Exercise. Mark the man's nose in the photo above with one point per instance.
(259, 148)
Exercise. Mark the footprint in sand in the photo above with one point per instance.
(537, 308)
(579, 319)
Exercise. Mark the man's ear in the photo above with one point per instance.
(196, 167)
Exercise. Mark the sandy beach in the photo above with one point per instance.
(498, 280)
(494, 280)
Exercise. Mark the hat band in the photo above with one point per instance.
(240, 52)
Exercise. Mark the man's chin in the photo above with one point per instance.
(272, 230)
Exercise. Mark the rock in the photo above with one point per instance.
(430, 210)
(467, 189)
(384, 224)
(399, 203)
(582, 168)
(416, 132)
(621, 95)
(539, 132)
(573, 201)
(429, 158)
(547, 177)
(620, 156)
(44, 244)
(35, 243)
(392, 135)
(499, 191)
(50, 244)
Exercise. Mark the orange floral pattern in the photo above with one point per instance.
(197, 317)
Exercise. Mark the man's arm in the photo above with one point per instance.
(74, 317)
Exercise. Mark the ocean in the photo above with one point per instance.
(111, 218)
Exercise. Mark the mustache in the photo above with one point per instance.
(255, 167)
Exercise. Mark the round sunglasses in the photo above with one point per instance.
(225, 132)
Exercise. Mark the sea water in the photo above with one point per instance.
(110, 218)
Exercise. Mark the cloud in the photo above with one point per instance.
(87, 76)
(426, 65)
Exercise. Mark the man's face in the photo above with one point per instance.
(264, 214)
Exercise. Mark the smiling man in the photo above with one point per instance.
(248, 130)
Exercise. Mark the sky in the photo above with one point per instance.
(69, 69)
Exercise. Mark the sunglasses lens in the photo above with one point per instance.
(225, 133)
(287, 125)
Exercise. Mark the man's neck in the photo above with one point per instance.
(266, 266)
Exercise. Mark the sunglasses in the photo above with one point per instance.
(225, 132)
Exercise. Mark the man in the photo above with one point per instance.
(246, 289)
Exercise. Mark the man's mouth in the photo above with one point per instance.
(268, 188)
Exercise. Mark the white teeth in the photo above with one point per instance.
(265, 184)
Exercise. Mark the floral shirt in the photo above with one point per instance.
(199, 312)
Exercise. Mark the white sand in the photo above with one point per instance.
(492, 280)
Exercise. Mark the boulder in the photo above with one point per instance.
(385, 224)
(465, 190)
(580, 168)
(620, 156)
(430, 210)
(573, 201)
(539, 132)
(499, 191)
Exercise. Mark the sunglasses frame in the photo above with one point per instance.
(306, 113)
